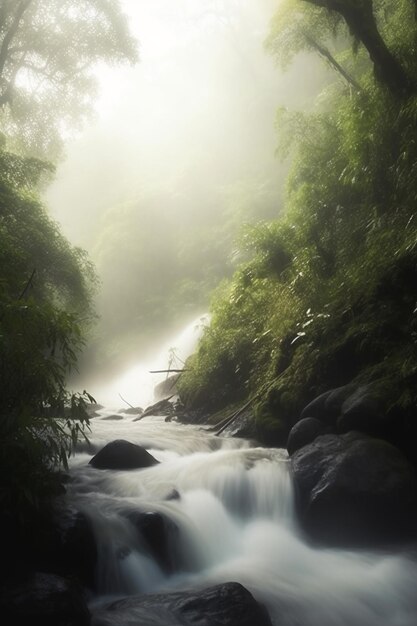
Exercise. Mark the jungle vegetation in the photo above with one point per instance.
(47, 52)
(329, 293)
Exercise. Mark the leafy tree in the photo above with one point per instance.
(48, 51)
(360, 18)
(46, 289)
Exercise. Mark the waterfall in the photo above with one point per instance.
(136, 384)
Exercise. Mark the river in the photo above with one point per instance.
(234, 519)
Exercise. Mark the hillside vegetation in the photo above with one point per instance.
(329, 294)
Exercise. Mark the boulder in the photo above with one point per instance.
(163, 407)
(327, 406)
(304, 432)
(133, 410)
(159, 534)
(166, 388)
(43, 599)
(228, 604)
(122, 455)
(352, 488)
(114, 417)
(362, 411)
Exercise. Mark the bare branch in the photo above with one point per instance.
(4, 50)
(324, 52)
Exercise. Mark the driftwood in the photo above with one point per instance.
(125, 401)
(231, 418)
(167, 371)
(235, 414)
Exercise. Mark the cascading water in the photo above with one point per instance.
(136, 384)
(230, 507)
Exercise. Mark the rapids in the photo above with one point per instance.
(236, 522)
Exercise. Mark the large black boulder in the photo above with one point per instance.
(352, 488)
(304, 432)
(327, 406)
(228, 604)
(44, 599)
(362, 410)
(122, 455)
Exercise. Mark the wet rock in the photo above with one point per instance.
(159, 534)
(362, 411)
(229, 604)
(327, 406)
(163, 407)
(352, 488)
(243, 426)
(122, 455)
(166, 388)
(43, 599)
(304, 432)
(133, 410)
(112, 418)
(173, 495)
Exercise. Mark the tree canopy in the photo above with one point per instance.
(48, 52)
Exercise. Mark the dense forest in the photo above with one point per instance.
(309, 261)
(322, 296)
(47, 54)
(328, 296)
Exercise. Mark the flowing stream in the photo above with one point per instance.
(231, 509)
(235, 522)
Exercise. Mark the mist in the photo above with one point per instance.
(179, 156)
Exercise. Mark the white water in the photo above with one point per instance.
(136, 384)
(235, 522)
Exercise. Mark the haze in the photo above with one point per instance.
(180, 154)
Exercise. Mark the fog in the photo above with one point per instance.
(179, 155)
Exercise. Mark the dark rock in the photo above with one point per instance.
(163, 407)
(362, 411)
(304, 432)
(173, 495)
(327, 406)
(121, 454)
(133, 410)
(166, 388)
(159, 534)
(112, 417)
(229, 604)
(243, 426)
(355, 489)
(60, 541)
(76, 550)
(43, 599)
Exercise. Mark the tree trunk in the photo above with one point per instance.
(360, 19)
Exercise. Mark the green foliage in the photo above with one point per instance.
(48, 50)
(46, 288)
(330, 293)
